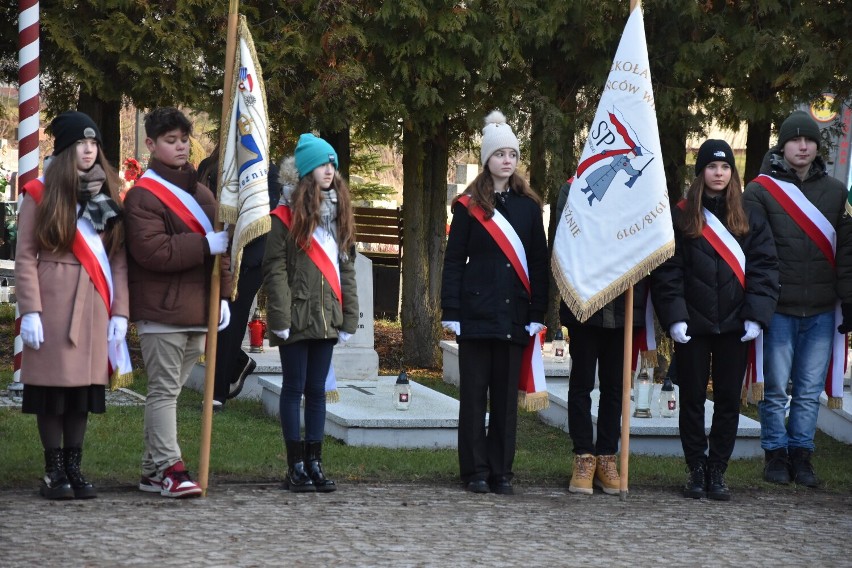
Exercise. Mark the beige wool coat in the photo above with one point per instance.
(74, 317)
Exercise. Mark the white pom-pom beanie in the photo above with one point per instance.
(496, 135)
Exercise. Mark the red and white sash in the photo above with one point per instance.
(323, 253)
(822, 233)
(177, 200)
(644, 341)
(531, 384)
(89, 250)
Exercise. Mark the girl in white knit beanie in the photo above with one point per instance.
(494, 294)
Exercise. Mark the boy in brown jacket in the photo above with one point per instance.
(171, 243)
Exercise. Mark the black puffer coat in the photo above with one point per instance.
(809, 283)
(480, 288)
(697, 286)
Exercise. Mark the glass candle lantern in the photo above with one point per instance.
(668, 399)
(402, 392)
(642, 391)
(558, 347)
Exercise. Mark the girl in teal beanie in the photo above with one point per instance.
(309, 270)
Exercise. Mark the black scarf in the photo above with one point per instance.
(95, 206)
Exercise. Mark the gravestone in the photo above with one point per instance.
(357, 359)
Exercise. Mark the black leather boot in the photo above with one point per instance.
(313, 463)
(777, 468)
(55, 483)
(297, 480)
(82, 488)
(696, 483)
(716, 487)
(801, 467)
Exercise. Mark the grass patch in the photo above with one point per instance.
(247, 446)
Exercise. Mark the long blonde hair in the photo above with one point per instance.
(305, 205)
(56, 215)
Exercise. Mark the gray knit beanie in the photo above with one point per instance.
(497, 134)
(799, 124)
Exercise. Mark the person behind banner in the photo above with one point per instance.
(714, 296)
(171, 244)
(233, 364)
(486, 303)
(67, 320)
(803, 332)
(596, 347)
(312, 300)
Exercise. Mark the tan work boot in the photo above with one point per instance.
(581, 477)
(606, 475)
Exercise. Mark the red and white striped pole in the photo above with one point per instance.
(28, 119)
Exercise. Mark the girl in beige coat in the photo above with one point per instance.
(66, 325)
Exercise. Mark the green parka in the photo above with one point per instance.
(809, 283)
(299, 298)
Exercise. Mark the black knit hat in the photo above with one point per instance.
(799, 124)
(71, 126)
(714, 151)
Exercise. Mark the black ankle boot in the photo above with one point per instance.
(297, 480)
(777, 468)
(82, 488)
(55, 484)
(696, 483)
(313, 463)
(716, 487)
(803, 470)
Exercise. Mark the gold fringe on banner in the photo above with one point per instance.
(648, 358)
(583, 310)
(834, 402)
(533, 400)
(332, 396)
(120, 381)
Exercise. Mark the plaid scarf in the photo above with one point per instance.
(95, 206)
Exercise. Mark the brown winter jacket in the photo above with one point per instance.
(169, 264)
(73, 315)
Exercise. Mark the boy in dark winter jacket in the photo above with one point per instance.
(171, 243)
(805, 208)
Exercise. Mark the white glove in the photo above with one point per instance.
(224, 314)
(453, 326)
(282, 333)
(343, 337)
(678, 332)
(117, 329)
(218, 242)
(534, 327)
(752, 330)
(32, 333)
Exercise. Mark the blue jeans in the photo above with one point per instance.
(305, 366)
(797, 348)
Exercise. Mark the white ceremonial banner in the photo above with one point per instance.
(244, 196)
(616, 225)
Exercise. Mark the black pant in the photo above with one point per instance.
(488, 368)
(305, 365)
(230, 357)
(693, 359)
(592, 347)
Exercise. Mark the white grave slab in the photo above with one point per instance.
(650, 436)
(450, 351)
(837, 423)
(365, 415)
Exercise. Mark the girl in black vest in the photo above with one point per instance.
(486, 304)
(713, 308)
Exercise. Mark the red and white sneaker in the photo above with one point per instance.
(177, 484)
(151, 484)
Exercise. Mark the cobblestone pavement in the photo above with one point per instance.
(423, 525)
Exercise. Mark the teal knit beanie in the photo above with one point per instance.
(312, 152)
